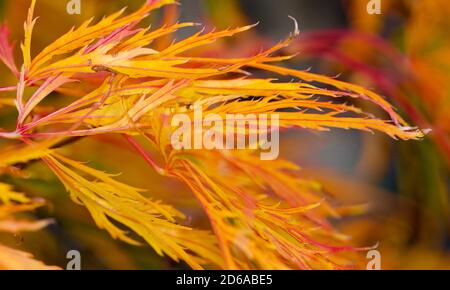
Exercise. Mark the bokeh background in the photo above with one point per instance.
(402, 54)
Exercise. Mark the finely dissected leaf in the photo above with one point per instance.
(262, 215)
(22, 154)
(8, 195)
(144, 37)
(6, 49)
(253, 233)
(362, 92)
(11, 259)
(50, 85)
(11, 203)
(198, 40)
(85, 34)
(26, 45)
(18, 226)
(156, 223)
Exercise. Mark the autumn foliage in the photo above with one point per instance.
(109, 79)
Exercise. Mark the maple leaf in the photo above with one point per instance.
(12, 203)
(262, 215)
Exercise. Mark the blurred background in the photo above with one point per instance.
(402, 53)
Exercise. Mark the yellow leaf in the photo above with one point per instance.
(28, 27)
(11, 259)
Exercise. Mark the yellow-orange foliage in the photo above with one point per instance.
(262, 215)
